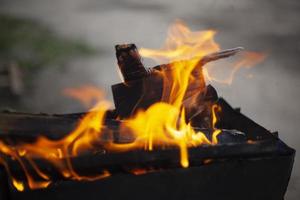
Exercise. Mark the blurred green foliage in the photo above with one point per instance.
(32, 45)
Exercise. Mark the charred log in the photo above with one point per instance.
(15, 126)
(132, 68)
(93, 163)
(129, 61)
(144, 87)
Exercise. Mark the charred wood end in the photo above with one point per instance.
(132, 68)
(221, 54)
(129, 61)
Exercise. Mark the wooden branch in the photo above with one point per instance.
(131, 67)
(129, 61)
(29, 126)
(116, 162)
(144, 87)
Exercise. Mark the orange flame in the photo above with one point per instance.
(246, 60)
(58, 152)
(182, 44)
(162, 125)
(88, 95)
(154, 129)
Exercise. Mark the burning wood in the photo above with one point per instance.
(131, 67)
(166, 118)
(143, 87)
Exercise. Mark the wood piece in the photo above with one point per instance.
(22, 125)
(131, 67)
(15, 125)
(229, 118)
(144, 87)
(116, 162)
(139, 94)
(129, 61)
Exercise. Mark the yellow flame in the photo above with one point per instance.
(58, 152)
(163, 124)
(18, 185)
(182, 44)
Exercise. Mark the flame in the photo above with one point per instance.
(182, 44)
(58, 152)
(247, 59)
(154, 129)
(163, 124)
(88, 95)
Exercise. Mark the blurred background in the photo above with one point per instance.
(47, 46)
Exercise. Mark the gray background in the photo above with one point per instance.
(271, 97)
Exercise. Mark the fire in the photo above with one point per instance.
(182, 44)
(58, 153)
(162, 125)
(246, 60)
(88, 95)
(154, 129)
